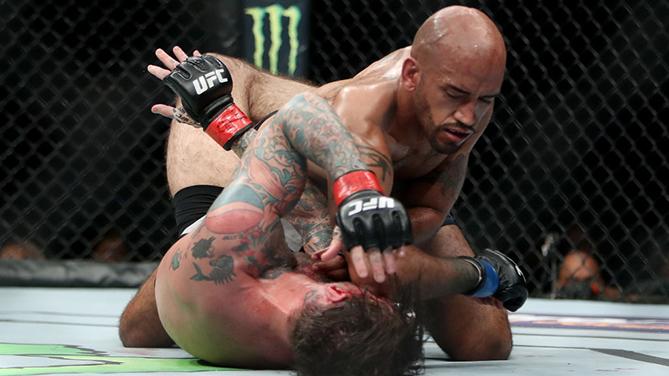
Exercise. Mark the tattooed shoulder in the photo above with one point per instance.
(222, 270)
(202, 248)
(176, 260)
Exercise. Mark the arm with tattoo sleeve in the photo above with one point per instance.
(315, 131)
(310, 216)
(212, 108)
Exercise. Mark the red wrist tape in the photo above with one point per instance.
(227, 124)
(353, 182)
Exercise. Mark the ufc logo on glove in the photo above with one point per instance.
(203, 83)
(371, 204)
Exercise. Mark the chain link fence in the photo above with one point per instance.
(575, 159)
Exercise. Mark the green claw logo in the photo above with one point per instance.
(274, 15)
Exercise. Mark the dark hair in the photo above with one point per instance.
(359, 336)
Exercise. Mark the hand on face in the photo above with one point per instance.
(372, 265)
(388, 285)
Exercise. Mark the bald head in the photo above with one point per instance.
(459, 31)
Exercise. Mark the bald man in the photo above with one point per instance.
(415, 116)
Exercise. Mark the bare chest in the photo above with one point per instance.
(414, 164)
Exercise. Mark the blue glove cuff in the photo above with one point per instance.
(490, 281)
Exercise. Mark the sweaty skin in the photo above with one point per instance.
(229, 292)
(415, 116)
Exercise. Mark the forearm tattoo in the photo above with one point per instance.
(311, 219)
(310, 216)
(378, 160)
(316, 132)
(181, 116)
(243, 142)
(243, 223)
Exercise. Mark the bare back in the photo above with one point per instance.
(210, 304)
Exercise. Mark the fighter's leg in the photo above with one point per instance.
(139, 325)
(194, 159)
(466, 328)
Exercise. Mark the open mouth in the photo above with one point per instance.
(456, 135)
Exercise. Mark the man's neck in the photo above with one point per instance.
(285, 295)
(405, 129)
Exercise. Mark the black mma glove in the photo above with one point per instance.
(499, 277)
(366, 217)
(204, 85)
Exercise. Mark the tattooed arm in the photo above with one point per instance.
(317, 133)
(430, 198)
(310, 217)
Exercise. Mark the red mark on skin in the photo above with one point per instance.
(233, 218)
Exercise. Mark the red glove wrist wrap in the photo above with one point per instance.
(227, 124)
(353, 182)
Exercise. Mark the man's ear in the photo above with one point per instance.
(410, 74)
(336, 295)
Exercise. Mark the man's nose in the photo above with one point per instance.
(466, 113)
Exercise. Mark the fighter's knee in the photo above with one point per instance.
(136, 330)
(488, 348)
(484, 339)
(129, 332)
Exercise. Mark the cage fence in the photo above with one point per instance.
(571, 171)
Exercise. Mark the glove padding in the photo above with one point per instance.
(371, 220)
(204, 85)
(501, 278)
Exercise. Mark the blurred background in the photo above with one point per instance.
(570, 178)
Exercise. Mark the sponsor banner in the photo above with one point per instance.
(647, 325)
(276, 35)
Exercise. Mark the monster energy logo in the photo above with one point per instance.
(275, 14)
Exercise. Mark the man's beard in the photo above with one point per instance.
(430, 130)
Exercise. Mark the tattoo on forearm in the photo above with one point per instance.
(245, 218)
(311, 220)
(181, 116)
(319, 239)
(317, 133)
(243, 142)
(376, 159)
